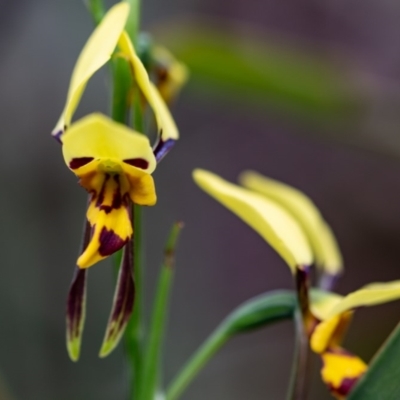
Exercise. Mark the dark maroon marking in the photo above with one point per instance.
(118, 200)
(79, 162)
(109, 242)
(124, 294)
(345, 387)
(100, 197)
(77, 292)
(162, 148)
(75, 302)
(137, 162)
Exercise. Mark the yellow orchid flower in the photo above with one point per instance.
(101, 152)
(322, 240)
(342, 369)
(114, 164)
(273, 223)
(268, 218)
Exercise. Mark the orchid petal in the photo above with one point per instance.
(76, 305)
(97, 136)
(97, 51)
(122, 305)
(76, 313)
(321, 238)
(111, 227)
(323, 302)
(370, 295)
(269, 219)
(341, 370)
(168, 132)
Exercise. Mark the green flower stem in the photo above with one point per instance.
(135, 329)
(122, 84)
(152, 357)
(299, 376)
(96, 9)
(197, 362)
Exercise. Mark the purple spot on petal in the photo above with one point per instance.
(79, 162)
(345, 387)
(137, 162)
(57, 135)
(110, 242)
(162, 148)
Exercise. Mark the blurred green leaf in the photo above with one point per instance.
(259, 311)
(381, 382)
(256, 72)
(254, 313)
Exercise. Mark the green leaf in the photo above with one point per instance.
(257, 72)
(152, 356)
(381, 382)
(255, 313)
(260, 311)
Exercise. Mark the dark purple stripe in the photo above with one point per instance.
(137, 162)
(162, 148)
(110, 242)
(118, 200)
(79, 162)
(77, 292)
(75, 302)
(124, 295)
(100, 196)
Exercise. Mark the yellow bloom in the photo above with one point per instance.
(293, 226)
(268, 218)
(319, 234)
(341, 369)
(114, 164)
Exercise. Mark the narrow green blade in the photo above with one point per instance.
(381, 382)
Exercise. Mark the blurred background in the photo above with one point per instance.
(307, 92)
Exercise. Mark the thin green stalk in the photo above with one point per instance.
(299, 376)
(96, 9)
(135, 329)
(152, 356)
(196, 363)
(122, 84)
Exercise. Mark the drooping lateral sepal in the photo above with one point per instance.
(122, 304)
(76, 313)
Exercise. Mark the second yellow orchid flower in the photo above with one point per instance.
(341, 369)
